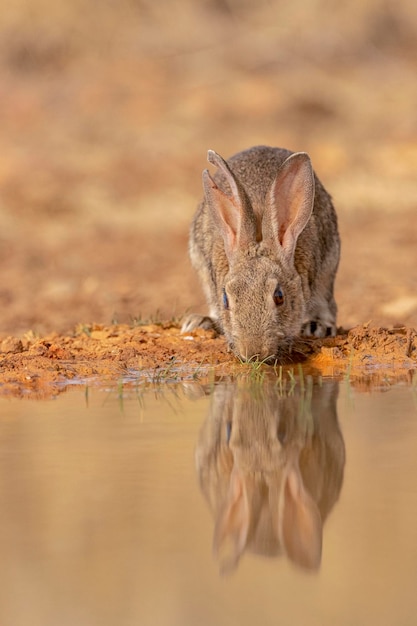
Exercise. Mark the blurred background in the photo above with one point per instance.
(108, 108)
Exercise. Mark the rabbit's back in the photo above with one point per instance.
(256, 169)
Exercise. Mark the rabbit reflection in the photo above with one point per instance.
(271, 468)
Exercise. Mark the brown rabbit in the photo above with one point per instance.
(266, 246)
(271, 468)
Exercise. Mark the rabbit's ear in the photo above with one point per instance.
(300, 524)
(230, 212)
(290, 202)
(232, 525)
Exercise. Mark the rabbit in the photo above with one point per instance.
(271, 468)
(265, 244)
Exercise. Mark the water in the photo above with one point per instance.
(110, 506)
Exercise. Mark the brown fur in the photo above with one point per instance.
(265, 221)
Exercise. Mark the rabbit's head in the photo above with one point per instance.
(261, 305)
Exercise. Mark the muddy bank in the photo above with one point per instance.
(35, 366)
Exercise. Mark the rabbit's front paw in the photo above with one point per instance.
(193, 321)
(317, 328)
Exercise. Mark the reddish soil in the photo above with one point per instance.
(106, 120)
(158, 353)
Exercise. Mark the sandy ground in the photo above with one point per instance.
(106, 120)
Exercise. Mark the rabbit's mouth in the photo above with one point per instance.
(291, 350)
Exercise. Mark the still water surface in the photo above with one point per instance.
(190, 507)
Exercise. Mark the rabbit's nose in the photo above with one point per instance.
(249, 351)
(246, 355)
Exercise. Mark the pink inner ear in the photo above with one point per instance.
(224, 211)
(231, 214)
(291, 200)
(282, 229)
(229, 218)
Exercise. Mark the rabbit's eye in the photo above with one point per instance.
(278, 296)
(225, 299)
